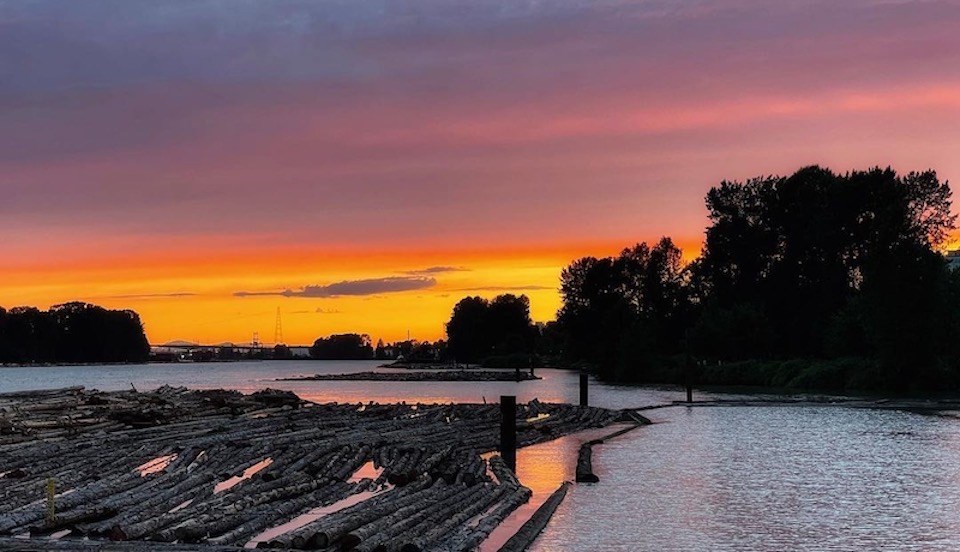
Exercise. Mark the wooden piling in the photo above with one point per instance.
(508, 430)
(584, 389)
(51, 501)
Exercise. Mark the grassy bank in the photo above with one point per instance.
(840, 374)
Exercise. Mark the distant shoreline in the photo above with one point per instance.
(437, 375)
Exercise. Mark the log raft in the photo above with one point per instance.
(422, 375)
(141, 468)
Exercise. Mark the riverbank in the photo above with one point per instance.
(847, 375)
(267, 469)
(438, 375)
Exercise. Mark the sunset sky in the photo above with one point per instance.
(364, 164)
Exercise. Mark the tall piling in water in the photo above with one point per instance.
(584, 389)
(508, 430)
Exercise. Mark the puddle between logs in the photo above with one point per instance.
(313, 515)
(158, 464)
(542, 468)
(366, 471)
(181, 506)
(247, 474)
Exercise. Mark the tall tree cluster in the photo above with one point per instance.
(618, 309)
(342, 347)
(479, 328)
(71, 333)
(814, 265)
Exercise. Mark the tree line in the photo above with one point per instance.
(73, 332)
(813, 280)
(497, 332)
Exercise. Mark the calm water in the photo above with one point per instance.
(770, 479)
(701, 479)
(556, 385)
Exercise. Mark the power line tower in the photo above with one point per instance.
(278, 330)
(255, 344)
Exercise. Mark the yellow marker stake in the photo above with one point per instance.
(51, 507)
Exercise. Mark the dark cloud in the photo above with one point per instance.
(437, 270)
(371, 286)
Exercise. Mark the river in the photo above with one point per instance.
(699, 479)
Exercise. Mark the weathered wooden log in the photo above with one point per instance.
(246, 522)
(471, 538)
(528, 532)
(415, 520)
(504, 474)
(71, 519)
(487, 496)
(437, 497)
(332, 528)
(585, 465)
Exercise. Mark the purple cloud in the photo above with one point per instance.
(370, 286)
(436, 270)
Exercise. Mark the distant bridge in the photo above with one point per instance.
(239, 347)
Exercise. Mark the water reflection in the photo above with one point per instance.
(556, 385)
(770, 479)
(542, 468)
(247, 474)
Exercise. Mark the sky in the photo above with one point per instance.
(363, 165)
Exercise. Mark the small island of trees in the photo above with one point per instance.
(71, 333)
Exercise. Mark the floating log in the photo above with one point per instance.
(528, 532)
(585, 465)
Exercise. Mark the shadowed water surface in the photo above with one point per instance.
(770, 479)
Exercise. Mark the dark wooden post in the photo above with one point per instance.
(508, 430)
(687, 366)
(584, 389)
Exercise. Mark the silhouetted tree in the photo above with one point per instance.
(798, 251)
(342, 347)
(479, 328)
(71, 332)
(282, 352)
(509, 327)
(636, 302)
(814, 265)
(467, 330)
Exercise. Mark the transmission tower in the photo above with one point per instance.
(256, 340)
(278, 330)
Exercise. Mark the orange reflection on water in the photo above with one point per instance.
(542, 468)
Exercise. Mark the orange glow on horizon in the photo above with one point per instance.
(191, 295)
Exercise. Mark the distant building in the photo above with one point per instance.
(953, 259)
